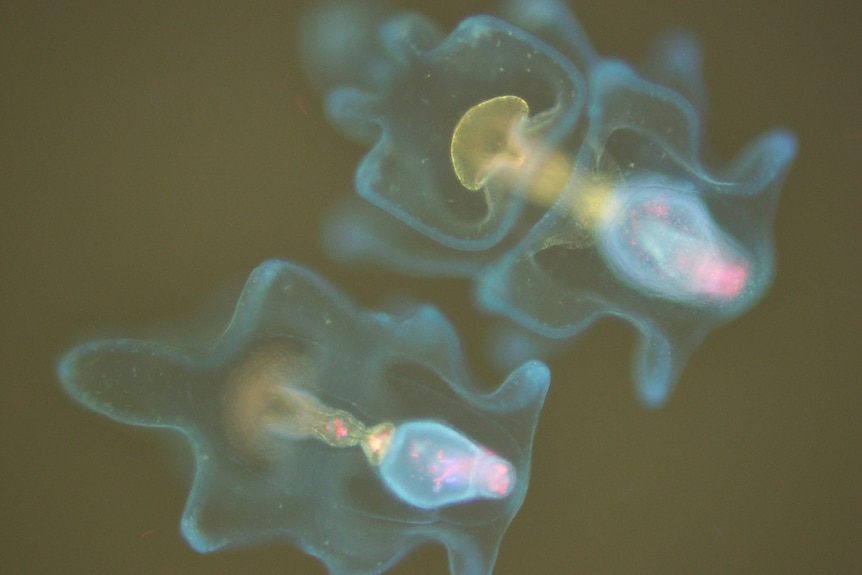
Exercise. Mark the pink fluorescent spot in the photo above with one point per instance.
(709, 274)
(720, 279)
(498, 481)
(431, 465)
(657, 210)
(670, 246)
(340, 428)
(495, 476)
(449, 470)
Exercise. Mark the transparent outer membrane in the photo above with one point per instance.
(356, 435)
(569, 186)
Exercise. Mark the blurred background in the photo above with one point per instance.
(154, 152)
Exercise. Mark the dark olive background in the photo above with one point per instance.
(153, 152)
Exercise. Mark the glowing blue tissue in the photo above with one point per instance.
(569, 186)
(430, 464)
(356, 435)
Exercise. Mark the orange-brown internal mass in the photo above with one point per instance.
(268, 399)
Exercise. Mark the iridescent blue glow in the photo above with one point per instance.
(430, 465)
(569, 186)
(356, 435)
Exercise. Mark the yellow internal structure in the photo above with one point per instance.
(270, 399)
(492, 147)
